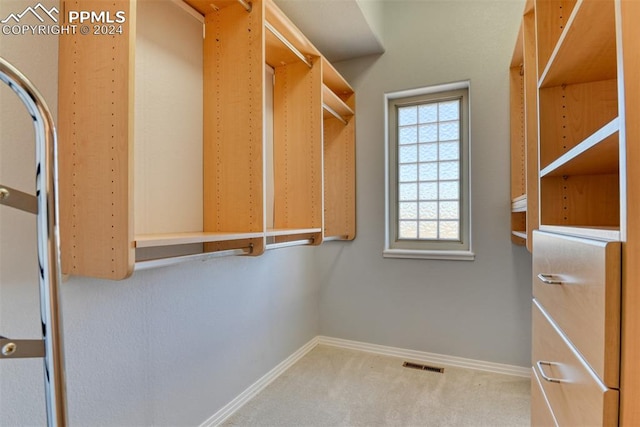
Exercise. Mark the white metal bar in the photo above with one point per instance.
(163, 262)
(191, 11)
(48, 240)
(334, 238)
(288, 244)
(18, 200)
(287, 43)
(246, 4)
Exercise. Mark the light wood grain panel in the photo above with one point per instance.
(95, 127)
(339, 179)
(298, 146)
(233, 85)
(551, 19)
(517, 126)
(580, 399)
(208, 6)
(541, 415)
(587, 48)
(581, 200)
(570, 114)
(517, 58)
(531, 120)
(335, 81)
(586, 306)
(629, 34)
(330, 99)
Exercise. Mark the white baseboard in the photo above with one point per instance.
(432, 358)
(413, 355)
(230, 408)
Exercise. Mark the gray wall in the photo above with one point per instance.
(479, 309)
(173, 345)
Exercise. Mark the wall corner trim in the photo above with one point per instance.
(230, 408)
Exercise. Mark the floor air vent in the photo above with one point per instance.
(423, 367)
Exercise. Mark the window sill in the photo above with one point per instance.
(424, 254)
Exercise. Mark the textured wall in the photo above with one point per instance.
(479, 309)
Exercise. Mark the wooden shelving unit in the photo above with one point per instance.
(203, 190)
(524, 132)
(587, 92)
(338, 99)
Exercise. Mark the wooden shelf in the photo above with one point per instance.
(171, 239)
(334, 106)
(208, 6)
(594, 232)
(334, 81)
(276, 232)
(586, 50)
(519, 204)
(596, 155)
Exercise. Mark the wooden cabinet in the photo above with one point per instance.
(257, 175)
(587, 55)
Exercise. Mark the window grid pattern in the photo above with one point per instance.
(428, 178)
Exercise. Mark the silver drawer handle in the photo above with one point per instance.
(539, 363)
(548, 279)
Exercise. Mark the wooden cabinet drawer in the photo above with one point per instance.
(577, 281)
(541, 415)
(576, 395)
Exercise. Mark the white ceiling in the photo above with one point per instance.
(338, 28)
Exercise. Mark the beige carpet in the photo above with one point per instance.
(338, 387)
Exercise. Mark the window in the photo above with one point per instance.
(427, 185)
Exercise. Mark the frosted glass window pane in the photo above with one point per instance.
(449, 150)
(429, 191)
(449, 131)
(408, 135)
(428, 210)
(428, 133)
(428, 171)
(428, 152)
(408, 210)
(408, 230)
(449, 230)
(408, 154)
(428, 230)
(448, 170)
(449, 210)
(408, 173)
(408, 191)
(449, 110)
(428, 113)
(407, 116)
(448, 190)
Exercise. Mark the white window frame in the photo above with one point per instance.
(427, 249)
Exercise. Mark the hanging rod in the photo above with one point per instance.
(335, 238)
(287, 43)
(288, 244)
(246, 4)
(334, 113)
(163, 262)
(48, 240)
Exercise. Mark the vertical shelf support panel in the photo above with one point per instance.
(340, 178)
(628, 36)
(96, 130)
(233, 85)
(531, 118)
(297, 131)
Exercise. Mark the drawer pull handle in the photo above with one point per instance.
(548, 279)
(544, 376)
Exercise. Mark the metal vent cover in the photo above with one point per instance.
(422, 367)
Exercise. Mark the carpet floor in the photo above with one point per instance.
(332, 386)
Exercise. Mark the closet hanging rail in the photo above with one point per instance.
(44, 205)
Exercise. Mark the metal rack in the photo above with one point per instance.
(44, 205)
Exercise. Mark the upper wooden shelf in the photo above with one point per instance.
(334, 106)
(207, 6)
(171, 239)
(586, 50)
(334, 81)
(517, 58)
(598, 154)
